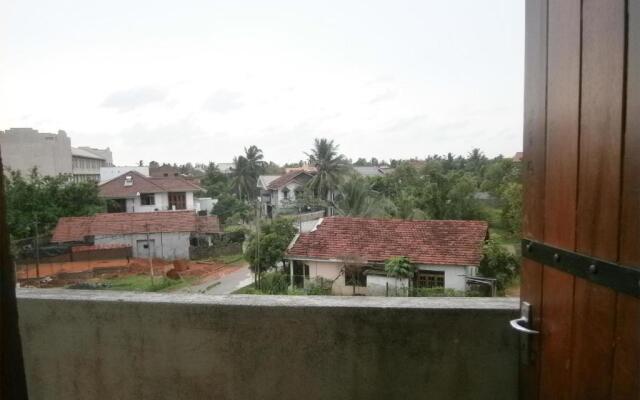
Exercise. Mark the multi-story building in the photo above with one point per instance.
(86, 163)
(22, 149)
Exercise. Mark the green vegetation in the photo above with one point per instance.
(46, 199)
(230, 259)
(266, 250)
(246, 170)
(437, 292)
(137, 283)
(330, 167)
(499, 263)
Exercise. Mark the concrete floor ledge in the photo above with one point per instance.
(462, 303)
(116, 345)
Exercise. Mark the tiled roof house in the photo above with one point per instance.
(444, 252)
(168, 234)
(134, 192)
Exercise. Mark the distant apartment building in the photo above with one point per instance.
(87, 162)
(25, 148)
(22, 149)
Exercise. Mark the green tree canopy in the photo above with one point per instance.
(330, 167)
(267, 249)
(356, 198)
(47, 199)
(215, 182)
(246, 169)
(399, 267)
(499, 263)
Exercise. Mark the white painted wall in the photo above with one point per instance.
(280, 201)
(331, 271)
(377, 286)
(453, 275)
(204, 204)
(161, 203)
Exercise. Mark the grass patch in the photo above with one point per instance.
(230, 259)
(249, 289)
(142, 283)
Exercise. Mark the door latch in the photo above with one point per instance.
(523, 326)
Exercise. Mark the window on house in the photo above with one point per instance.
(147, 199)
(430, 279)
(355, 277)
(285, 193)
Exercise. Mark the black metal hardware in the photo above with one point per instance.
(618, 277)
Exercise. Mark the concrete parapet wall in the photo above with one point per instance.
(115, 345)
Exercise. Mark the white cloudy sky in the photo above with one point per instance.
(198, 80)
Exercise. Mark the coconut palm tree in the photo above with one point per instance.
(356, 198)
(330, 167)
(246, 170)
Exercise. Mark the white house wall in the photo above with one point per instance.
(161, 203)
(453, 275)
(331, 271)
(376, 285)
(168, 246)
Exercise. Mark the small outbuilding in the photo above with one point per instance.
(164, 234)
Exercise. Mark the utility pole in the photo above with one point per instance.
(257, 245)
(37, 247)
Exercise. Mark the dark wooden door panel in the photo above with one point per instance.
(597, 222)
(603, 47)
(582, 193)
(563, 120)
(626, 371)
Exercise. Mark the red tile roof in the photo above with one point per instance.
(74, 229)
(434, 242)
(286, 178)
(115, 188)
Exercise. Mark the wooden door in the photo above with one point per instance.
(582, 194)
(177, 201)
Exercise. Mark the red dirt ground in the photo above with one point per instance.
(184, 268)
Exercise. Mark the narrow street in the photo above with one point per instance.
(226, 284)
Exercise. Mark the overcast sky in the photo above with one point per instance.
(188, 80)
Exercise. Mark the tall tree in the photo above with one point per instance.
(356, 198)
(246, 170)
(330, 167)
(267, 249)
(47, 199)
(214, 181)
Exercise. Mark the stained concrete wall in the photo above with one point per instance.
(114, 345)
(169, 246)
(25, 148)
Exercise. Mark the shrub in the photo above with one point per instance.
(274, 283)
(319, 287)
(437, 292)
(498, 263)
